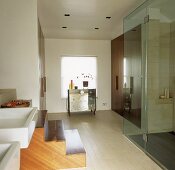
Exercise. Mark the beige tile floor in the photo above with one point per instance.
(106, 146)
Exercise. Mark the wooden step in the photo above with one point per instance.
(41, 155)
(54, 130)
(73, 142)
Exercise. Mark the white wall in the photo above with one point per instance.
(19, 48)
(55, 48)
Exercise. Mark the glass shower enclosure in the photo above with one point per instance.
(149, 80)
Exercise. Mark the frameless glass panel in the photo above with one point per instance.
(132, 76)
(160, 82)
(134, 82)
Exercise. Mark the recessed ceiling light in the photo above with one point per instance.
(96, 28)
(108, 17)
(66, 15)
(64, 27)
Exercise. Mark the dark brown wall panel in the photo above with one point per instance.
(117, 56)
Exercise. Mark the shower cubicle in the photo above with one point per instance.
(149, 80)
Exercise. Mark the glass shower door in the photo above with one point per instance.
(149, 80)
(134, 123)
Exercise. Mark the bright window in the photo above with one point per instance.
(78, 69)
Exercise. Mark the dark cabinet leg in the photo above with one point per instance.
(94, 112)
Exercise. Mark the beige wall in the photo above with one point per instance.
(55, 48)
(160, 111)
(19, 48)
(7, 95)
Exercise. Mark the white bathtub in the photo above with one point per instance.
(10, 156)
(18, 124)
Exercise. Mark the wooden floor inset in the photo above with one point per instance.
(41, 155)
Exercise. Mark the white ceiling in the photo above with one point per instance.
(85, 15)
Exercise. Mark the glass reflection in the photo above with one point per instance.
(132, 76)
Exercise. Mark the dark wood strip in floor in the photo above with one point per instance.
(53, 130)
